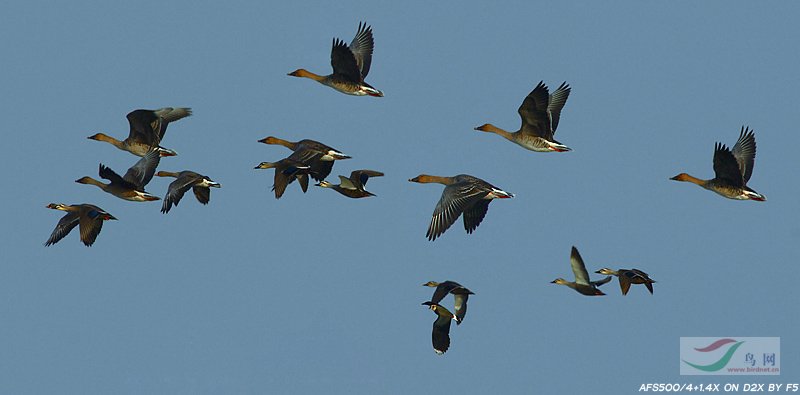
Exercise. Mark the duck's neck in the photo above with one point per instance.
(494, 129)
(307, 74)
(91, 181)
(167, 174)
(427, 179)
(274, 140)
(108, 139)
(687, 178)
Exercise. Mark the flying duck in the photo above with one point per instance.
(147, 130)
(441, 327)
(353, 187)
(462, 194)
(131, 186)
(732, 169)
(184, 180)
(582, 283)
(318, 156)
(88, 216)
(286, 171)
(540, 113)
(460, 296)
(350, 65)
(628, 277)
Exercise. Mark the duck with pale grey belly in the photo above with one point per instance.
(131, 186)
(628, 277)
(540, 113)
(732, 170)
(353, 187)
(184, 180)
(463, 194)
(318, 156)
(582, 283)
(350, 65)
(147, 128)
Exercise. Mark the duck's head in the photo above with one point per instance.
(307, 74)
(559, 281)
(324, 184)
(98, 137)
(334, 155)
(487, 127)
(681, 177)
(85, 180)
(431, 284)
(57, 206)
(431, 305)
(265, 165)
(422, 179)
(606, 271)
(269, 140)
(209, 183)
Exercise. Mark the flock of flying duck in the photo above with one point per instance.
(147, 128)
(463, 195)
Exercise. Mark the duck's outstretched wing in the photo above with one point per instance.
(557, 101)
(361, 47)
(344, 62)
(142, 172)
(455, 199)
(64, 226)
(726, 167)
(176, 190)
(533, 112)
(745, 152)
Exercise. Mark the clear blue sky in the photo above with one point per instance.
(320, 293)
